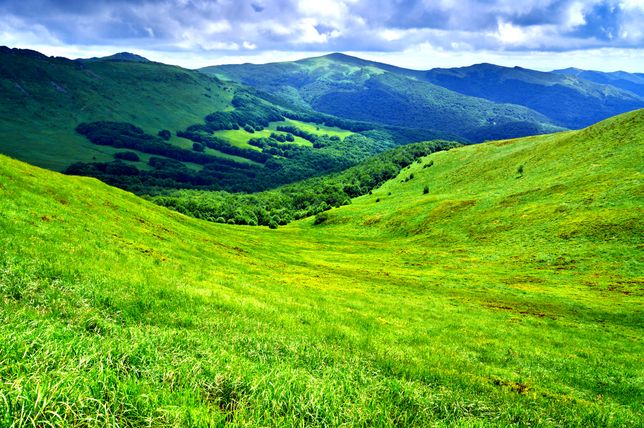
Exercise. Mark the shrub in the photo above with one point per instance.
(428, 164)
(321, 218)
(128, 156)
(165, 134)
(425, 190)
(197, 147)
(249, 128)
(520, 170)
(378, 200)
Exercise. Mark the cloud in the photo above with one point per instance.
(205, 26)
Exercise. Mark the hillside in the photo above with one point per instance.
(45, 98)
(360, 90)
(499, 101)
(570, 101)
(149, 127)
(633, 82)
(509, 293)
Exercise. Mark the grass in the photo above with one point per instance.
(314, 128)
(492, 300)
(240, 137)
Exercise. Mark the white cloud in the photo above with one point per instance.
(234, 29)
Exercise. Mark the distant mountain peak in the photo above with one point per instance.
(340, 55)
(118, 57)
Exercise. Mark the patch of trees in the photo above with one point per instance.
(250, 112)
(298, 133)
(274, 147)
(164, 134)
(302, 199)
(127, 136)
(280, 164)
(128, 156)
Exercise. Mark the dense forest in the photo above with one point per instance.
(302, 199)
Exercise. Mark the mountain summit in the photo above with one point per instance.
(118, 57)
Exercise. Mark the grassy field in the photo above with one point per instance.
(240, 137)
(314, 128)
(508, 294)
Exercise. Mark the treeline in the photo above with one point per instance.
(301, 199)
(298, 133)
(127, 136)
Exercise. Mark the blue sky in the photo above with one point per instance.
(542, 34)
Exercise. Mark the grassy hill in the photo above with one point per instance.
(44, 99)
(570, 101)
(361, 90)
(509, 293)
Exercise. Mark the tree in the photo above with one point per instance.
(165, 134)
(128, 156)
(425, 190)
(198, 147)
(320, 218)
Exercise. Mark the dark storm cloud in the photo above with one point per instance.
(379, 25)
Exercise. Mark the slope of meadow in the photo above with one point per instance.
(504, 295)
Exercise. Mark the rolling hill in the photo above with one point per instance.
(352, 88)
(499, 101)
(509, 292)
(570, 101)
(633, 82)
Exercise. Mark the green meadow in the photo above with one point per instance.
(499, 284)
(240, 137)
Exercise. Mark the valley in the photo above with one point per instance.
(490, 284)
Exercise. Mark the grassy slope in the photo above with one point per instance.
(492, 299)
(43, 99)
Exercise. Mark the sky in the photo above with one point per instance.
(603, 35)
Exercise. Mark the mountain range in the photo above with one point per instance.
(494, 95)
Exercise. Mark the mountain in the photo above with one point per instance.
(508, 293)
(570, 101)
(44, 99)
(118, 57)
(148, 127)
(361, 90)
(633, 82)
(521, 100)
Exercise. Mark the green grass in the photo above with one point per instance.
(240, 137)
(313, 128)
(497, 298)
